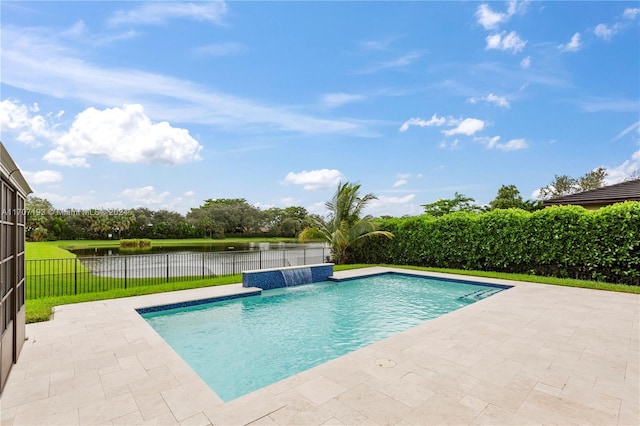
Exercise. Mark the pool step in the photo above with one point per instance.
(480, 294)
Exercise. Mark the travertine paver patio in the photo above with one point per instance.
(534, 354)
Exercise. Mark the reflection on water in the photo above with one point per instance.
(210, 247)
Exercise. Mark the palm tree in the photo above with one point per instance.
(344, 227)
(100, 223)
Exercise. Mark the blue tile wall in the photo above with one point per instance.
(272, 279)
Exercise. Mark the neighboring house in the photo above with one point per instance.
(13, 190)
(600, 197)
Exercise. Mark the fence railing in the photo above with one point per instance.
(61, 277)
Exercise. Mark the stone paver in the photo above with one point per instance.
(534, 354)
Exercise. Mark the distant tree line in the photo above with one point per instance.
(224, 217)
(217, 218)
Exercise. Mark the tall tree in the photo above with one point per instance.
(459, 202)
(344, 227)
(39, 213)
(593, 179)
(566, 185)
(123, 221)
(101, 223)
(235, 214)
(508, 197)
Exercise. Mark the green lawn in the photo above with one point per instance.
(40, 309)
(566, 282)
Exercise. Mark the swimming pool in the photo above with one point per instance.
(238, 346)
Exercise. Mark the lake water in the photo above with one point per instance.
(200, 248)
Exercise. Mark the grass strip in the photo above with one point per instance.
(566, 282)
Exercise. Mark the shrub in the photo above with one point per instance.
(136, 243)
(560, 241)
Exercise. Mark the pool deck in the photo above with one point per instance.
(534, 354)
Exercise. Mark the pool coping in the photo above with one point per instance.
(533, 354)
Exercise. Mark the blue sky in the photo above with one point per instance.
(163, 105)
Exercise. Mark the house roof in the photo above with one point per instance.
(11, 172)
(624, 191)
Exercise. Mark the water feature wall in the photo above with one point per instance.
(269, 279)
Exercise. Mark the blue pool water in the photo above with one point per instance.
(241, 345)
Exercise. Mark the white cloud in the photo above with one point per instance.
(468, 127)
(71, 201)
(604, 104)
(53, 198)
(289, 201)
(399, 62)
(221, 49)
(451, 145)
(39, 63)
(42, 176)
(627, 168)
(79, 28)
(79, 32)
(314, 180)
(394, 206)
(318, 208)
(382, 44)
(507, 42)
(433, 121)
(396, 200)
(62, 159)
(15, 117)
(145, 196)
(154, 13)
(631, 13)
(500, 101)
(634, 126)
(536, 195)
(490, 19)
(604, 32)
(526, 62)
(512, 145)
(189, 194)
(123, 135)
(574, 44)
(403, 178)
(335, 100)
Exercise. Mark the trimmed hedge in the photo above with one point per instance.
(560, 241)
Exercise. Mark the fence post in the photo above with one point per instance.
(260, 263)
(125, 273)
(304, 256)
(167, 268)
(202, 265)
(75, 275)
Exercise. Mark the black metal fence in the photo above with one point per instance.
(61, 277)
